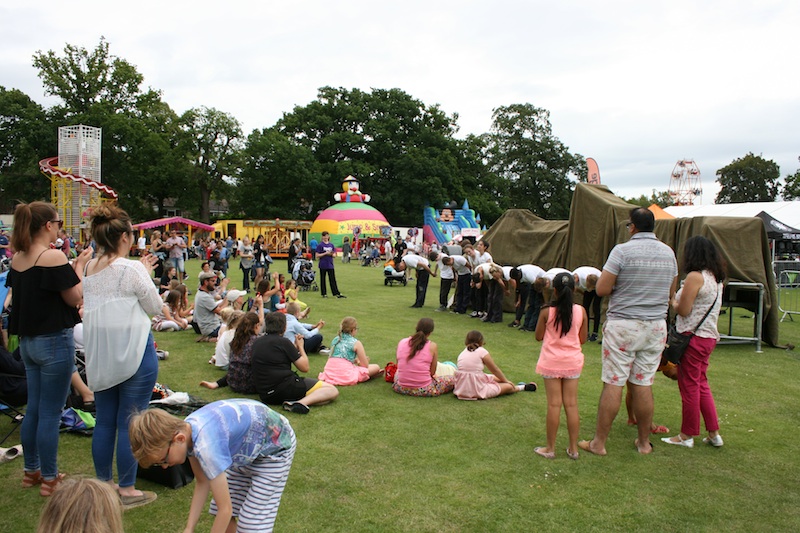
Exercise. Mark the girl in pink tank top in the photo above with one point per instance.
(563, 328)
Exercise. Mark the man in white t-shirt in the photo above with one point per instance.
(447, 276)
(141, 244)
(529, 300)
(420, 264)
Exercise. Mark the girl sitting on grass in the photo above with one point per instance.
(348, 363)
(240, 450)
(419, 372)
(563, 327)
(169, 319)
(471, 381)
(292, 296)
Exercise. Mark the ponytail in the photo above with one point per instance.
(29, 219)
(564, 285)
(420, 337)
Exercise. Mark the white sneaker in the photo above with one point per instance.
(714, 441)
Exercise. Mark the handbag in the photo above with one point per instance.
(678, 342)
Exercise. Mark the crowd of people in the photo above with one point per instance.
(263, 343)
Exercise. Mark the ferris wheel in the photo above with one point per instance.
(684, 184)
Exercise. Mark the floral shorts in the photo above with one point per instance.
(440, 385)
(632, 350)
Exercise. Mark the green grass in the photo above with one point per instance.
(378, 461)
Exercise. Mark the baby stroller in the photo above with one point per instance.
(392, 276)
(303, 273)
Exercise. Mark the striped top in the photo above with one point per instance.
(645, 268)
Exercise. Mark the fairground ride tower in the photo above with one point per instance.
(684, 184)
(75, 176)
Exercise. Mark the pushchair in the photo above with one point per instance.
(392, 276)
(303, 274)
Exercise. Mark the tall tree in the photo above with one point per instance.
(26, 137)
(214, 141)
(279, 179)
(84, 79)
(748, 179)
(538, 169)
(791, 189)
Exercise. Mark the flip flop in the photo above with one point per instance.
(659, 430)
(585, 445)
(573, 456)
(539, 450)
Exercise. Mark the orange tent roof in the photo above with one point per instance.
(659, 213)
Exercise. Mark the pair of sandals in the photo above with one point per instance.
(540, 450)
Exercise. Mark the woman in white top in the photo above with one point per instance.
(701, 292)
(121, 361)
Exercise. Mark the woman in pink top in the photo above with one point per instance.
(418, 370)
(563, 328)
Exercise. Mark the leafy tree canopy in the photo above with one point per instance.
(25, 135)
(537, 169)
(748, 179)
(661, 198)
(213, 141)
(791, 189)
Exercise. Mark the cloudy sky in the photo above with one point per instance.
(637, 85)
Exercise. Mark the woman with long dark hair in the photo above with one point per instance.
(701, 292)
(419, 372)
(121, 361)
(46, 292)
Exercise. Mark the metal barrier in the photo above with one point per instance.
(789, 293)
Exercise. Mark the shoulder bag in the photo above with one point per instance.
(678, 342)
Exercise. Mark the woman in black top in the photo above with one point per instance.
(46, 292)
(272, 360)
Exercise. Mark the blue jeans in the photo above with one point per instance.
(114, 407)
(49, 361)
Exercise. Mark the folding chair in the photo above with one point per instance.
(13, 390)
(14, 415)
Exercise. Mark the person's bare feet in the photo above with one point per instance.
(305, 313)
(209, 384)
(644, 450)
(588, 446)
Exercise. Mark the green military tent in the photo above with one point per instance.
(597, 223)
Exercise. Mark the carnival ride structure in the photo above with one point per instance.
(75, 176)
(684, 185)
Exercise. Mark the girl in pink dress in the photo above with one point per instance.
(471, 381)
(348, 363)
(563, 328)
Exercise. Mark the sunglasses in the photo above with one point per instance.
(59, 222)
(165, 460)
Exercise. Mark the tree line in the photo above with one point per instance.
(403, 151)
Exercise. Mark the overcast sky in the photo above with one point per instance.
(637, 85)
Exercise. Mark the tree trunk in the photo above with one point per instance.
(205, 199)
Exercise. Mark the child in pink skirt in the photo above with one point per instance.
(472, 383)
(563, 327)
(348, 363)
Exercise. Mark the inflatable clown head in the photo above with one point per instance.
(351, 192)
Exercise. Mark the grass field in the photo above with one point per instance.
(378, 461)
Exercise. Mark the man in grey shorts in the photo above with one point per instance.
(640, 276)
